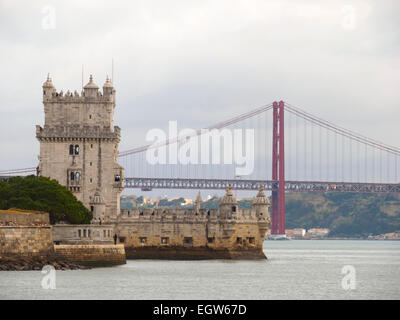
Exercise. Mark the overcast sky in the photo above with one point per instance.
(200, 62)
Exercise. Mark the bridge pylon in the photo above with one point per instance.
(278, 169)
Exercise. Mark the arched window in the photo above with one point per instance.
(117, 178)
(71, 149)
(76, 149)
(77, 176)
(72, 176)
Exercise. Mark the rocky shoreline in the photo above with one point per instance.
(29, 264)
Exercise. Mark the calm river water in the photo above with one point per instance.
(294, 270)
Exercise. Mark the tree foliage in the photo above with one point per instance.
(345, 214)
(43, 194)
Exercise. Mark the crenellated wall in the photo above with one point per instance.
(169, 234)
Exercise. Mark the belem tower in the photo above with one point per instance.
(79, 148)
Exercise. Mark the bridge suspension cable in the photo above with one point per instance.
(335, 128)
(219, 125)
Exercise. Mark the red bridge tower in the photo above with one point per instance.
(278, 169)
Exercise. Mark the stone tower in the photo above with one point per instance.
(79, 146)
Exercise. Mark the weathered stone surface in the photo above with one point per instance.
(83, 233)
(29, 246)
(19, 263)
(91, 255)
(25, 233)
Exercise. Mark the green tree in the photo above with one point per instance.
(43, 194)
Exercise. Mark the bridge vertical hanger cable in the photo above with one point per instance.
(328, 155)
(336, 158)
(365, 163)
(305, 153)
(387, 167)
(288, 144)
(296, 148)
(351, 154)
(380, 166)
(312, 152)
(343, 158)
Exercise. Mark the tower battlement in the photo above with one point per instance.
(90, 93)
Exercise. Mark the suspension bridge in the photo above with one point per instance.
(294, 151)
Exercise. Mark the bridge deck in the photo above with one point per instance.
(294, 186)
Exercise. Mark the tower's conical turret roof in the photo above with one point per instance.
(48, 83)
(91, 84)
(228, 197)
(261, 198)
(108, 83)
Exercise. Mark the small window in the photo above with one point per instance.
(164, 240)
(79, 233)
(91, 146)
(104, 234)
(143, 239)
(72, 176)
(92, 208)
(210, 239)
(121, 239)
(117, 178)
(71, 149)
(89, 233)
(188, 240)
(238, 240)
(76, 149)
(77, 176)
(91, 180)
(233, 208)
(251, 240)
(90, 116)
(90, 163)
(84, 233)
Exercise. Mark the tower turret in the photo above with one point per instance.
(228, 205)
(48, 88)
(261, 205)
(91, 89)
(98, 207)
(108, 89)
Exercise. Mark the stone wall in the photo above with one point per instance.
(26, 236)
(23, 218)
(164, 234)
(92, 255)
(25, 233)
